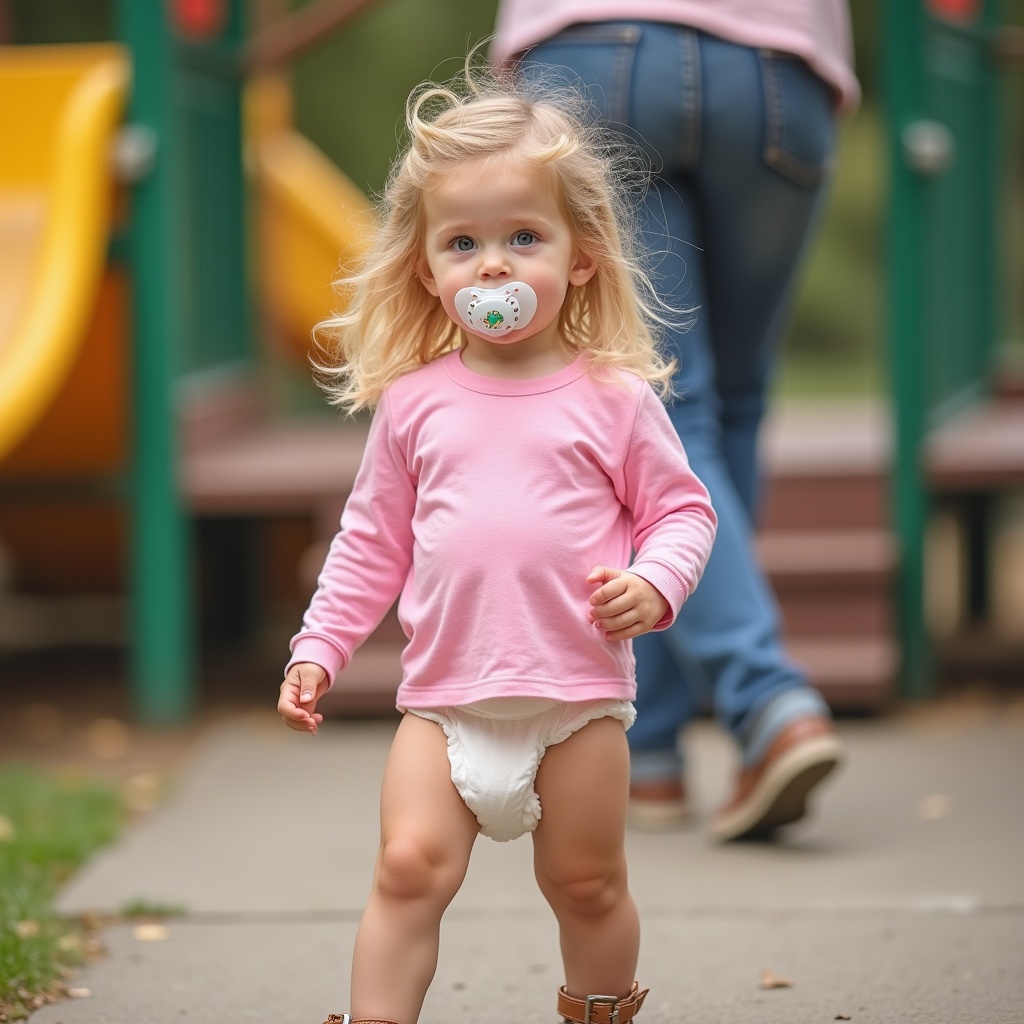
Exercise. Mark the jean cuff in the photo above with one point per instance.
(783, 709)
(655, 765)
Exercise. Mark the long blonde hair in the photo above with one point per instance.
(393, 325)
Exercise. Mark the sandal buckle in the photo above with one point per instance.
(592, 1001)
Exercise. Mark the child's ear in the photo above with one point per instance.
(422, 269)
(583, 268)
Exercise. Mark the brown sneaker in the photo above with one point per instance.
(774, 791)
(657, 805)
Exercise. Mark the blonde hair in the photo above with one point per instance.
(393, 325)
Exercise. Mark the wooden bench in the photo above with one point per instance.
(239, 463)
(971, 461)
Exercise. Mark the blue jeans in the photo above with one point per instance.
(741, 141)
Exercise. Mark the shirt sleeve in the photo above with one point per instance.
(673, 520)
(369, 558)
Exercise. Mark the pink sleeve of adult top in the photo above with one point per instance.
(673, 521)
(369, 558)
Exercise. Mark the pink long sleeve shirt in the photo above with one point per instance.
(484, 503)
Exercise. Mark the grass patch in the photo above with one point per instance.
(49, 825)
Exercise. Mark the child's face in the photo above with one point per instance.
(489, 224)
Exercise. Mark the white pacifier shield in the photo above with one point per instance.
(497, 310)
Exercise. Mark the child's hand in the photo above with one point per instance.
(304, 685)
(625, 605)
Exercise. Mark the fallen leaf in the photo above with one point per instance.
(108, 738)
(150, 933)
(769, 980)
(7, 831)
(936, 806)
(142, 791)
(92, 920)
(27, 929)
(79, 993)
(70, 943)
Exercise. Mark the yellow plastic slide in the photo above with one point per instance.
(60, 107)
(59, 110)
(312, 219)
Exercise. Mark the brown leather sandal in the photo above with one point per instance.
(594, 1009)
(600, 1009)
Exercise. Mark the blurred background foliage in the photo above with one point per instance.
(350, 91)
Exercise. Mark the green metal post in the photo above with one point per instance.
(993, 189)
(903, 38)
(943, 293)
(162, 663)
(959, 255)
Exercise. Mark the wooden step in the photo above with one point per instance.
(832, 583)
(835, 594)
(822, 557)
(811, 437)
(280, 468)
(826, 466)
(827, 547)
(852, 673)
(837, 502)
(981, 450)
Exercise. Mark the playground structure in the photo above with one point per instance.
(958, 414)
(129, 370)
(130, 373)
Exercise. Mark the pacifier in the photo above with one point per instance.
(497, 310)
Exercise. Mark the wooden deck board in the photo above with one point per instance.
(980, 450)
(300, 466)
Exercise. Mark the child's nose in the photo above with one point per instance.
(493, 263)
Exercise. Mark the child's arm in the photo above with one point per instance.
(303, 686)
(673, 521)
(369, 558)
(625, 605)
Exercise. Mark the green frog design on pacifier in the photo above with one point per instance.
(497, 310)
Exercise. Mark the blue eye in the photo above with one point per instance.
(463, 243)
(524, 238)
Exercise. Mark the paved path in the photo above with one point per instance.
(901, 900)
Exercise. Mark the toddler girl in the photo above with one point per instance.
(524, 493)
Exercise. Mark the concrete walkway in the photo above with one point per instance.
(902, 899)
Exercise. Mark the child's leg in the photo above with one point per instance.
(580, 861)
(426, 837)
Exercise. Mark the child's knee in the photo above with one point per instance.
(585, 893)
(411, 868)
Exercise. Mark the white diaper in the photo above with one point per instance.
(495, 747)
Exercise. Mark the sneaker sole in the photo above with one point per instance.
(781, 796)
